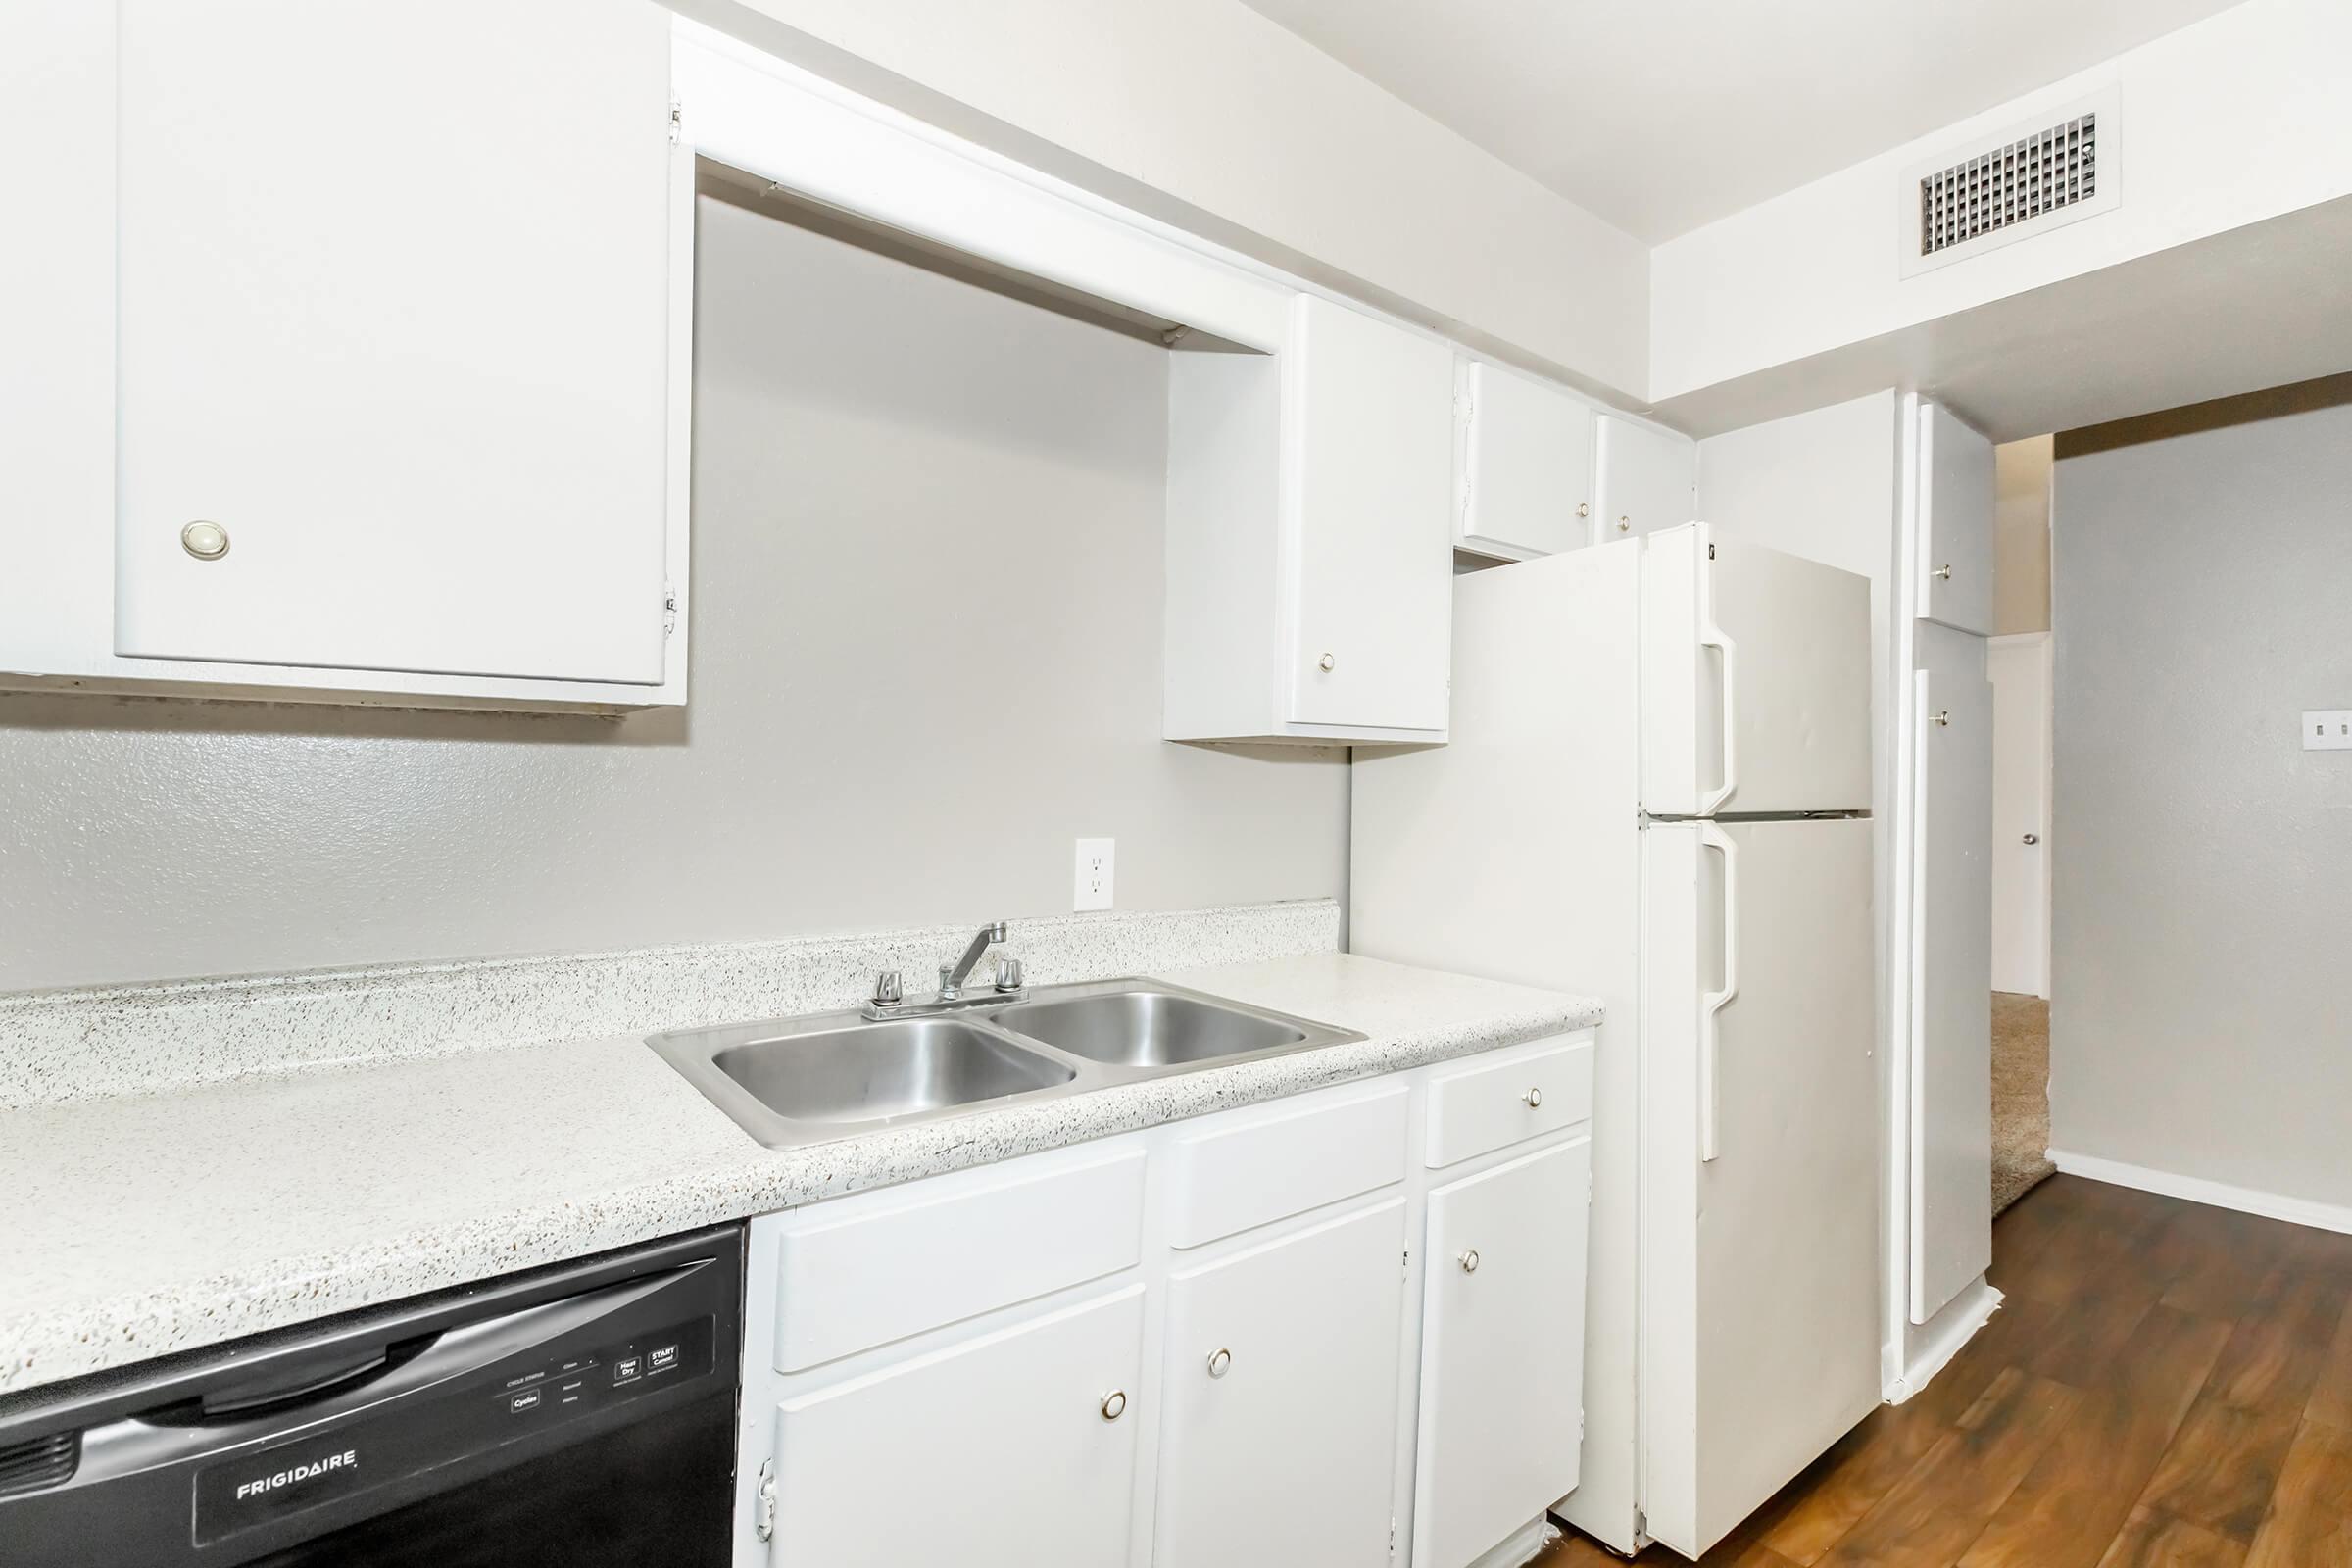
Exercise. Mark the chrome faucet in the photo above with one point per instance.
(890, 1001)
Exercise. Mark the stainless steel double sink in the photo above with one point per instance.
(795, 1081)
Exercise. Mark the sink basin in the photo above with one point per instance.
(1140, 1025)
(858, 1073)
(795, 1081)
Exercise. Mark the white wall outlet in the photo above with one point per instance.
(2328, 729)
(1096, 862)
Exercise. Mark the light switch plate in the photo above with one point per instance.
(2328, 729)
(1090, 890)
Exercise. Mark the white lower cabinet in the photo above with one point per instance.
(1223, 1375)
(1501, 1351)
(1010, 1450)
(1279, 1399)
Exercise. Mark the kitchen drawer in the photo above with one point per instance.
(1502, 1100)
(1283, 1163)
(906, 1264)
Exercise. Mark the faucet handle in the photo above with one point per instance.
(888, 993)
(1008, 974)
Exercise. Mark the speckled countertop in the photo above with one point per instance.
(146, 1224)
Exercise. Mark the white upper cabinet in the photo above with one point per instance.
(1956, 522)
(393, 304)
(1523, 484)
(366, 330)
(1310, 593)
(1644, 479)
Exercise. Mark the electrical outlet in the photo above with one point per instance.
(1095, 863)
(2328, 729)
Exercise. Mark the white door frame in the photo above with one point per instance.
(2043, 782)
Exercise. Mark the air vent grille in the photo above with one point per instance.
(40, 1463)
(2035, 175)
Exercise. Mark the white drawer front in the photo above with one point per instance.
(847, 1282)
(1284, 1163)
(1502, 1101)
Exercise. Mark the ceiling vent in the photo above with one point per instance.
(2055, 170)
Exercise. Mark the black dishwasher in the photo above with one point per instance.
(582, 1415)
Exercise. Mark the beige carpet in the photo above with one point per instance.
(2020, 1095)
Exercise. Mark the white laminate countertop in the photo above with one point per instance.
(153, 1223)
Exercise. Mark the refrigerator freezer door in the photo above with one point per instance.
(1759, 1266)
(1755, 679)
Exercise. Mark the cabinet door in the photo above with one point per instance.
(1951, 1044)
(393, 301)
(1369, 460)
(1642, 479)
(1004, 1452)
(1503, 1341)
(1279, 1444)
(1956, 502)
(1526, 463)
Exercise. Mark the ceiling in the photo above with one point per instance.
(1661, 115)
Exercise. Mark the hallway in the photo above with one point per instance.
(2167, 1384)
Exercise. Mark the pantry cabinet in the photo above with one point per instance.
(1644, 479)
(394, 298)
(1343, 1329)
(1523, 465)
(1957, 507)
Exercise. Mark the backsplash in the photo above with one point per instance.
(62, 1046)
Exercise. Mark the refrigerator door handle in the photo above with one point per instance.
(1711, 635)
(1712, 1003)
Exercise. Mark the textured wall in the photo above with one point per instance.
(2202, 902)
(928, 530)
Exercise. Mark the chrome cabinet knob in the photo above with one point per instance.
(1945, 572)
(206, 541)
(888, 992)
(1625, 525)
(1470, 1261)
(1220, 1362)
(1583, 508)
(1008, 974)
(1114, 1404)
(1943, 715)
(1327, 663)
(2033, 838)
(1534, 1098)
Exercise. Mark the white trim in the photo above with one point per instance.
(1953, 1327)
(2197, 1189)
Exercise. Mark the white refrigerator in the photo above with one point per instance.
(1657, 791)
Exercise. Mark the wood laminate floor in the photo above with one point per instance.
(2167, 1384)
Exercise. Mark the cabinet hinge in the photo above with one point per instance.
(763, 1506)
(678, 122)
(1392, 1537)
(669, 610)
(1407, 1269)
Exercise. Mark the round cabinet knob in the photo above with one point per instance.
(1943, 715)
(2033, 838)
(1220, 1362)
(1114, 1404)
(1625, 525)
(1327, 663)
(206, 541)
(1583, 508)
(1945, 572)
(1534, 1098)
(1470, 1261)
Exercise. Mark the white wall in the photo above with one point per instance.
(2230, 121)
(2199, 1021)
(928, 537)
(1207, 115)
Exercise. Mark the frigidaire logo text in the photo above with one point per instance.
(298, 1472)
